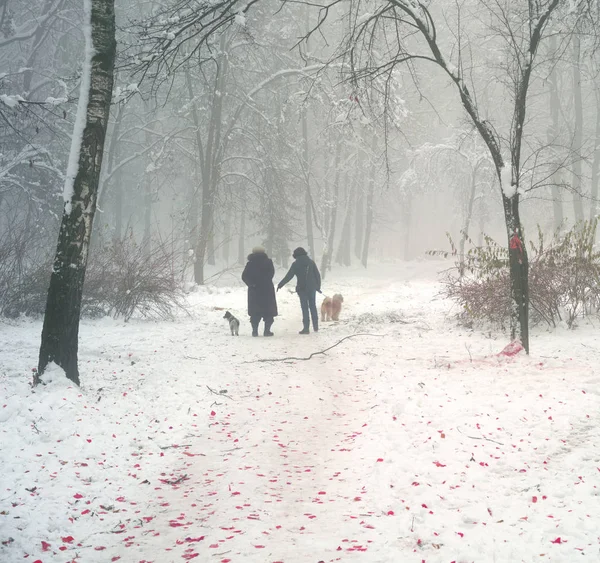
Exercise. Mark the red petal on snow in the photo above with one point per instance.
(212, 413)
(390, 513)
(194, 539)
(559, 540)
(116, 558)
(534, 499)
(438, 464)
(259, 546)
(189, 556)
(45, 546)
(67, 539)
(77, 496)
(99, 548)
(379, 459)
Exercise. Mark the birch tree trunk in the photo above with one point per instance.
(60, 332)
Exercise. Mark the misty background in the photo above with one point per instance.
(257, 136)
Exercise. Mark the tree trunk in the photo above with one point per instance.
(343, 253)
(595, 162)
(332, 215)
(578, 131)
(226, 236)
(148, 179)
(519, 270)
(407, 216)
(103, 192)
(307, 195)
(241, 247)
(468, 216)
(210, 249)
(147, 238)
(370, 196)
(359, 224)
(557, 205)
(210, 160)
(60, 332)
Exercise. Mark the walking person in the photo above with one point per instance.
(308, 282)
(258, 276)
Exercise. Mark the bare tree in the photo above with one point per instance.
(60, 331)
(522, 42)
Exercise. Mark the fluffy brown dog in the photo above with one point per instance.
(331, 307)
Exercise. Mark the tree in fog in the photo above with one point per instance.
(60, 331)
(462, 163)
(36, 85)
(519, 28)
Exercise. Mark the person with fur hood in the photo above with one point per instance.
(262, 303)
(308, 282)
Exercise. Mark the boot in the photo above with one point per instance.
(254, 322)
(315, 325)
(268, 325)
(305, 329)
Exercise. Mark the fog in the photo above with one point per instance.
(286, 129)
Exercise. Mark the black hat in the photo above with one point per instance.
(299, 252)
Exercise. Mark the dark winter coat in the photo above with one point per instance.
(307, 275)
(258, 276)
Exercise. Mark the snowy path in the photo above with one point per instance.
(421, 444)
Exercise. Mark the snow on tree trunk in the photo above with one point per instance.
(60, 331)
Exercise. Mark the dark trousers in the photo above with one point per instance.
(255, 319)
(308, 303)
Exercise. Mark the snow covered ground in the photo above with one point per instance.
(413, 441)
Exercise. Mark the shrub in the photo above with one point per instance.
(564, 279)
(122, 279)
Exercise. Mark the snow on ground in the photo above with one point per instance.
(416, 441)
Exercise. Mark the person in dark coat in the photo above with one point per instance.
(308, 282)
(258, 276)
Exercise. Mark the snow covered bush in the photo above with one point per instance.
(24, 269)
(125, 278)
(122, 279)
(564, 279)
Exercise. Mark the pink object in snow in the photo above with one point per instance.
(512, 349)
